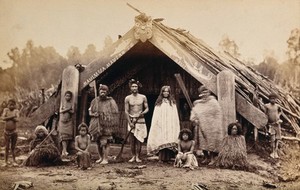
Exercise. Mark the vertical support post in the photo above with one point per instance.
(226, 96)
(70, 82)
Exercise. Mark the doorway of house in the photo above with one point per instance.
(148, 117)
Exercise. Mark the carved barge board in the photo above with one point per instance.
(184, 59)
(70, 81)
(108, 57)
(179, 55)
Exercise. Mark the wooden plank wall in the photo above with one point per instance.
(156, 72)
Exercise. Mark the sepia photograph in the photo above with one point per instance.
(150, 94)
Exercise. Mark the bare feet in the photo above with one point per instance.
(15, 164)
(137, 159)
(272, 155)
(64, 153)
(212, 162)
(104, 162)
(205, 161)
(132, 159)
(99, 160)
(276, 155)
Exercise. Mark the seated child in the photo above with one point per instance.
(233, 154)
(43, 150)
(185, 157)
(82, 143)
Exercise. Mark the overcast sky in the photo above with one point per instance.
(257, 26)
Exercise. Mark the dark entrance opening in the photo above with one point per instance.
(148, 117)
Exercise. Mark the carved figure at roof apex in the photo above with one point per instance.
(143, 27)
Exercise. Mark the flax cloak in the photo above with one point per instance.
(211, 132)
(109, 117)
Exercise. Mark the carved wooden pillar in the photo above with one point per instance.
(70, 82)
(226, 96)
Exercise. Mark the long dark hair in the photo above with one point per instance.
(160, 97)
(186, 131)
(238, 126)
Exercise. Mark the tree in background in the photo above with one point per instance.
(269, 65)
(229, 46)
(73, 55)
(33, 68)
(288, 74)
(89, 55)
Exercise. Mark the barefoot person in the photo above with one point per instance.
(65, 124)
(185, 157)
(273, 113)
(11, 116)
(104, 114)
(136, 106)
(82, 144)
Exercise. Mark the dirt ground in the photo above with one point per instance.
(153, 175)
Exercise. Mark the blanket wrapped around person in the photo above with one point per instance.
(43, 150)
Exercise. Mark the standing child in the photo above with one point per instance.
(65, 125)
(82, 143)
(185, 157)
(273, 112)
(233, 154)
(10, 115)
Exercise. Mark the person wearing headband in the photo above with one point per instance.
(104, 113)
(136, 105)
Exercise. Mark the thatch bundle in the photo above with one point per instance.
(247, 79)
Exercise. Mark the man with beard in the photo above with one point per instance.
(136, 106)
(104, 117)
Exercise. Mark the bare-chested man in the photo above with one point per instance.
(136, 106)
(273, 112)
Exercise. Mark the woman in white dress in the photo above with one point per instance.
(165, 127)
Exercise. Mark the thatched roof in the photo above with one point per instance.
(203, 63)
(247, 78)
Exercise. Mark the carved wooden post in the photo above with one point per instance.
(226, 96)
(70, 82)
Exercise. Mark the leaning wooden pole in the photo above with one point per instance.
(183, 88)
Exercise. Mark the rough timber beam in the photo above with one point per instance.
(226, 94)
(197, 69)
(90, 73)
(108, 57)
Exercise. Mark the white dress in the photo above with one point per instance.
(164, 129)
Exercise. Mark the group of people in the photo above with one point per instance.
(221, 146)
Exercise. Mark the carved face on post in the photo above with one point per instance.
(143, 27)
